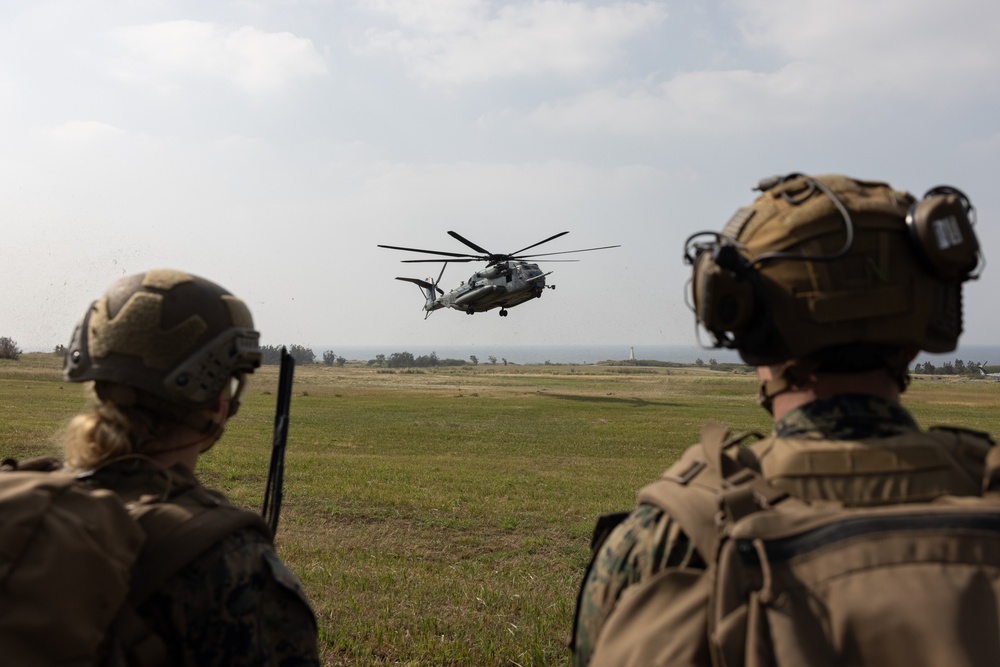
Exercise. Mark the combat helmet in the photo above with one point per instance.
(166, 340)
(836, 274)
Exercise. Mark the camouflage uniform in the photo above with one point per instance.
(235, 604)
(648, 541)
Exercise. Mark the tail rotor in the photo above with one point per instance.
(430, 291)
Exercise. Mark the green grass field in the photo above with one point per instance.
(443, 517)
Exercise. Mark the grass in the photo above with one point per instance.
(444, 517)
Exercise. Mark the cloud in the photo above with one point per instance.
(827, 63)
(468, 41)
(890, 43)
(162, 55)
(732, 100)
(83, 132)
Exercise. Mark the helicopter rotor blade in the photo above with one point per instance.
(514, 254)
(469, 243)
(430, 252)
(439, 278)
(421, 261)
(565, 252)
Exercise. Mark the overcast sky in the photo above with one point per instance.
(269, 145)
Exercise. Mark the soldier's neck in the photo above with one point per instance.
(826, 385)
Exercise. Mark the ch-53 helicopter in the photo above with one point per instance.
(507, 280)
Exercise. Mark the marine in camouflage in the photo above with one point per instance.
(648, 541)
(173, 349)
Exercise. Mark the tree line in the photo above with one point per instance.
(407, 360)
(270, 355)
(957, 367)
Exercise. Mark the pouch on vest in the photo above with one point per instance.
(794, 583)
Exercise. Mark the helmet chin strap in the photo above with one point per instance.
(211, 426)
(795, 374)
(791, 376)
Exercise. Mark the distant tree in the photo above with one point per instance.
(699, 362)
(971, 368)
(9, 349)
(504, 360)
(929, 368)
(947, 368)
(302, 355)
(341, 361)
(378, 361)
(712, 362)
(329, 358)
(60, 350)
(960, 367)
(493, 360)
(400, 360)
(426, 360)
(270, 355)
(473, 359)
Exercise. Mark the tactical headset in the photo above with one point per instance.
(788, 276)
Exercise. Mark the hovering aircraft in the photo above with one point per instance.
(982, 371)
(507, 280)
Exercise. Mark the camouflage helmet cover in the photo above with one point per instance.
(825, 262)
(174, 337)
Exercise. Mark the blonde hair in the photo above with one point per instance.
(109, 431)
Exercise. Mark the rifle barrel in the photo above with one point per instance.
(276, 471)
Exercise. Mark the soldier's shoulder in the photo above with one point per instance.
(238, 588)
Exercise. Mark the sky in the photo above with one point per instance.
(271, 145)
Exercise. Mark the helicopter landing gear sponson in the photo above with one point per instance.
(469, 311)
(503, 312)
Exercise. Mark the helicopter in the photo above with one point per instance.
(507, 280)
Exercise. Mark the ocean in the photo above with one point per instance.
(591, 354)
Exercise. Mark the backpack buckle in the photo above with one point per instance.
(692, 471)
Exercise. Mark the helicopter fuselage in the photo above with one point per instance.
(501, 285)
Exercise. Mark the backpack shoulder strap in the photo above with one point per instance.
(707, 489)
(180, 529)
(177, 534)
(180, 517)
(974, 449)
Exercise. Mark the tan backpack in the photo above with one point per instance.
(76, 560)
(821, 584)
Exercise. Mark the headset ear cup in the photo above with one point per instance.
(723, 300)
(941, 228)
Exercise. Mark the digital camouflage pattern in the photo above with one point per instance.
(648, 541)
(846, 417)
(209, 583)
(236, 605)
